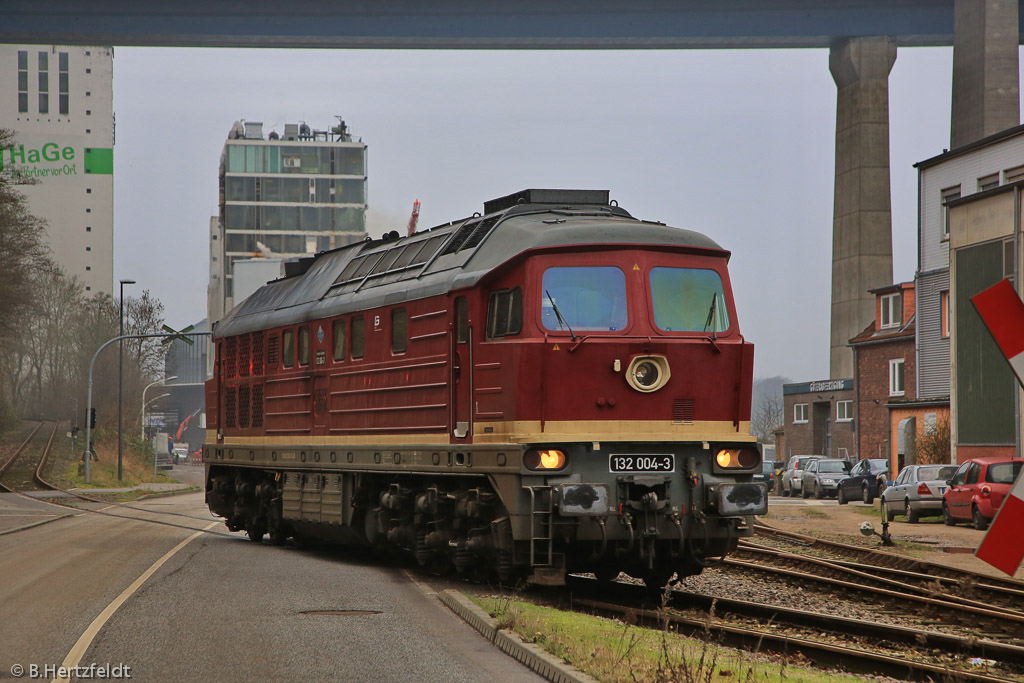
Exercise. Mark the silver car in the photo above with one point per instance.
(822, 476)
(791, 477)
(917, 492)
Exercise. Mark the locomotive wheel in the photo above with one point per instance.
(606, 574)
(656, 580)
(277, 535)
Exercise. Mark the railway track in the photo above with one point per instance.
(871, 576)
(884, 560)
(856, 645)
(935, 612)
(24, 469)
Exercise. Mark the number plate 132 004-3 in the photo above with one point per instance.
(656, 462)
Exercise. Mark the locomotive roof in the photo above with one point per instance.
(375, 273)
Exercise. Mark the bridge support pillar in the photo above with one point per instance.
(986, 88)
(862, 213)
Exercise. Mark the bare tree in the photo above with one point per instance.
(23, 254)
(768, 415)
(933, 447)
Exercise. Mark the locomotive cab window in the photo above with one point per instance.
(358, 337)
(505, 313)
(591, 298)
(304, 345)
(339, 340)
(399, 330)
(688, 300)
(288, 348)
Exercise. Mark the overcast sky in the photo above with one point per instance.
(738, 145)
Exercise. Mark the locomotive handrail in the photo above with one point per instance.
(88, 409)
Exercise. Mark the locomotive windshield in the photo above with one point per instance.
(688, 300)
(587, 298)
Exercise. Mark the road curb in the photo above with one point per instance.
(510, 643)
(25, 527)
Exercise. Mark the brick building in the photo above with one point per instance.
(819, 419)
(889, 414)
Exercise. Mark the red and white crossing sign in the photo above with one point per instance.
(1003, 313)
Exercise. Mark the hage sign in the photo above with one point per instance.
(39, 162)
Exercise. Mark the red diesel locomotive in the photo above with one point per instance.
(553, 386)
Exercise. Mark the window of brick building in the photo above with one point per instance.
(896, 377)
(800, 413)
(891, 315)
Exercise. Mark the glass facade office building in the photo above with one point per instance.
(286, 196)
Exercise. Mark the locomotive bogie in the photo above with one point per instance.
(549, 387)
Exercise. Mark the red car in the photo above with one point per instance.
(977, 490)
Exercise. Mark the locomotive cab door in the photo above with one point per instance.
(320, 382)
(462, 372)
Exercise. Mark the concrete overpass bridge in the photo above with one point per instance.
(862, 37)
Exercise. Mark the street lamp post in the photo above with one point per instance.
(120, 373)
(154, 400)
(142, 413)
(92, 365)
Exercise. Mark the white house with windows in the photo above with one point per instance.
(947, 179)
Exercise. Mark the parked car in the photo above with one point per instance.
(917, 492)
(977, 489)
(822, 476)
(865, 481)
(767, 473)
(794, 471)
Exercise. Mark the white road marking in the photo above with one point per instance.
(80, 648)
(89, 512)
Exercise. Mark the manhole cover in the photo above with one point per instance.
(340, 612)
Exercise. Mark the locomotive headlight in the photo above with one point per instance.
(648, 373)
(736, 458)
(544, 459)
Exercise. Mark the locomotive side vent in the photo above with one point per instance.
(461, 235)
(257, 406)
(243, 356)
(257, 354)
(682, 411)
(478, 235)
(243, 407)
(231, 358)
(273, 346)
(470, 234)
(230, 409)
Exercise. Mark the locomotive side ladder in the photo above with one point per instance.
(541, 538)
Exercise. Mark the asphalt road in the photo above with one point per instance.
(222, 608)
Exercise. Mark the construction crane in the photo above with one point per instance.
(414, 218)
